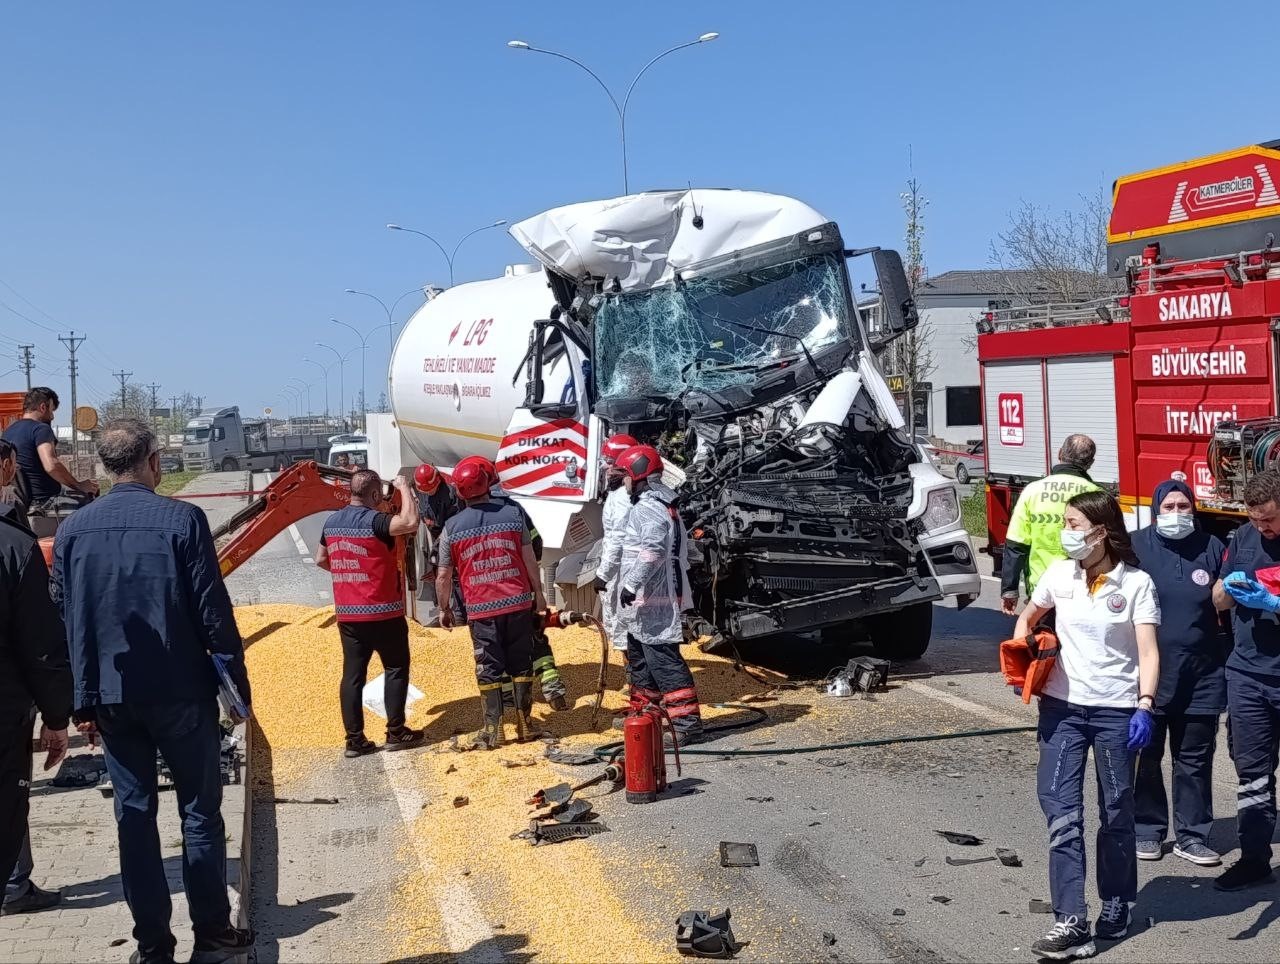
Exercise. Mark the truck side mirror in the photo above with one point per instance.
(219, 434)
(898, 314)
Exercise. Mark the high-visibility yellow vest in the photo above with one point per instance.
(1037, 520)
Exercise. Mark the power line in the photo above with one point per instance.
(72, 342)
(27, 318)
(27, 362)
(124, 378)
(29, 303)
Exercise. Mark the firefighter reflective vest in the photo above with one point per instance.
(366, 581)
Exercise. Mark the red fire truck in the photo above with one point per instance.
(1177, 377)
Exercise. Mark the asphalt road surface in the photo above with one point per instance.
(847, 839)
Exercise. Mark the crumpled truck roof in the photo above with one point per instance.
(643, 239)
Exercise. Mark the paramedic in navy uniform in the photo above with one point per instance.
(1253, 676)
(1184, 562)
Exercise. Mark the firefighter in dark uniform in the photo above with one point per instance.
(489, 545)
(437, 503)
(358, 549)
(544, 661)
(1250, 589)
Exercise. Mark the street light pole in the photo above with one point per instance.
(449, 258)
(306, 387)
(342, 374)
(391, 342)
(620, 109)
(325, 369)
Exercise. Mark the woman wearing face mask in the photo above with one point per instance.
(1099, 695)
(1184, 562)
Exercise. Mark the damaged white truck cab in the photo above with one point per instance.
(721, 327)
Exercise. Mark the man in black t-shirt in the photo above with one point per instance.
(42, 473)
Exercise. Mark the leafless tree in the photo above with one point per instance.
(1058, 257)
(913, 355)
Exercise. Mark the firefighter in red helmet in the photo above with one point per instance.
(545, 670)
(437, 503)
(490, 546)
(653, 594)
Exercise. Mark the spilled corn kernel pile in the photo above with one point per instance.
(551, 895)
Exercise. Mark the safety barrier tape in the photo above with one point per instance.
(214, 495)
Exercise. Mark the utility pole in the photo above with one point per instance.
(124, 398)
(154, 424)
(27, 362)
(73, 341)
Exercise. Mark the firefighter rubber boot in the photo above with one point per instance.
(524, 706)
(489, 736)
(685, 714)
(508, 694)
(553, 689)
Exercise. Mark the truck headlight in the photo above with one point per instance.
(941, 509)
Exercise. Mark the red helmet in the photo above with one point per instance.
(640, 462)
(426, 478)
(482, 463)
(614, 446)
(473, 477)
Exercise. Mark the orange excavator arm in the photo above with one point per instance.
(301, 490)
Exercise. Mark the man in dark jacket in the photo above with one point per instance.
(145, 607)
(33, 674)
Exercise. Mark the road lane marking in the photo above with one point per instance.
(960, 703)
(469, 935)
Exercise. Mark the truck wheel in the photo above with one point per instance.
(962, 474)
(901, 635)
(229, 464)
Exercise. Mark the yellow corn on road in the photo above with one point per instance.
(465, 887)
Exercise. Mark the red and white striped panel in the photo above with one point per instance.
(545, 459)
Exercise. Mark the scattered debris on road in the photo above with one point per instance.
(739, 855)
(1037, 906)
(460, 801)
(1009, 858)
(964, 862)
(899, 912)
(961, 839)
(700, 933)
(940, 898)
(828, 938)
(330, 801)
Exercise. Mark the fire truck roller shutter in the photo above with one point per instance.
(1082, 398)
(1014, 414)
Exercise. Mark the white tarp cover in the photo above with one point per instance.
(642, 239)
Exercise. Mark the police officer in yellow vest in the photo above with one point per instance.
(1034, 537)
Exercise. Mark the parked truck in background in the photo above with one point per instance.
(1176, 378)
(720, 326)
(217, 440)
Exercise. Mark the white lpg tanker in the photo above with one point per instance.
(721, 327)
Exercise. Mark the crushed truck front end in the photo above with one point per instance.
(739, 351)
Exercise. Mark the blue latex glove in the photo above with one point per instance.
(1140, 727)
(1248, 593)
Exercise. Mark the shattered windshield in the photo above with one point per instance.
(711, 332)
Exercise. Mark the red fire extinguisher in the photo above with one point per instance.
(644, 758)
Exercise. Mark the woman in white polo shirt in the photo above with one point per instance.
(1099, 695)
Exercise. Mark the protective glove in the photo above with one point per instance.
(1248, 593)
(626, 597)
(1140, 727)
(599, 585)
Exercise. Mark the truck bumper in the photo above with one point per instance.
(953, 562)
(837, 606)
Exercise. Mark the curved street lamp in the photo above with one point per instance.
(621, 109)
(342, 368)
(447, 256)
(291, 397)
(306, 387)
(391, 342)
(325, 369)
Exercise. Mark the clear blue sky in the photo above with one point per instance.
(194, 185)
